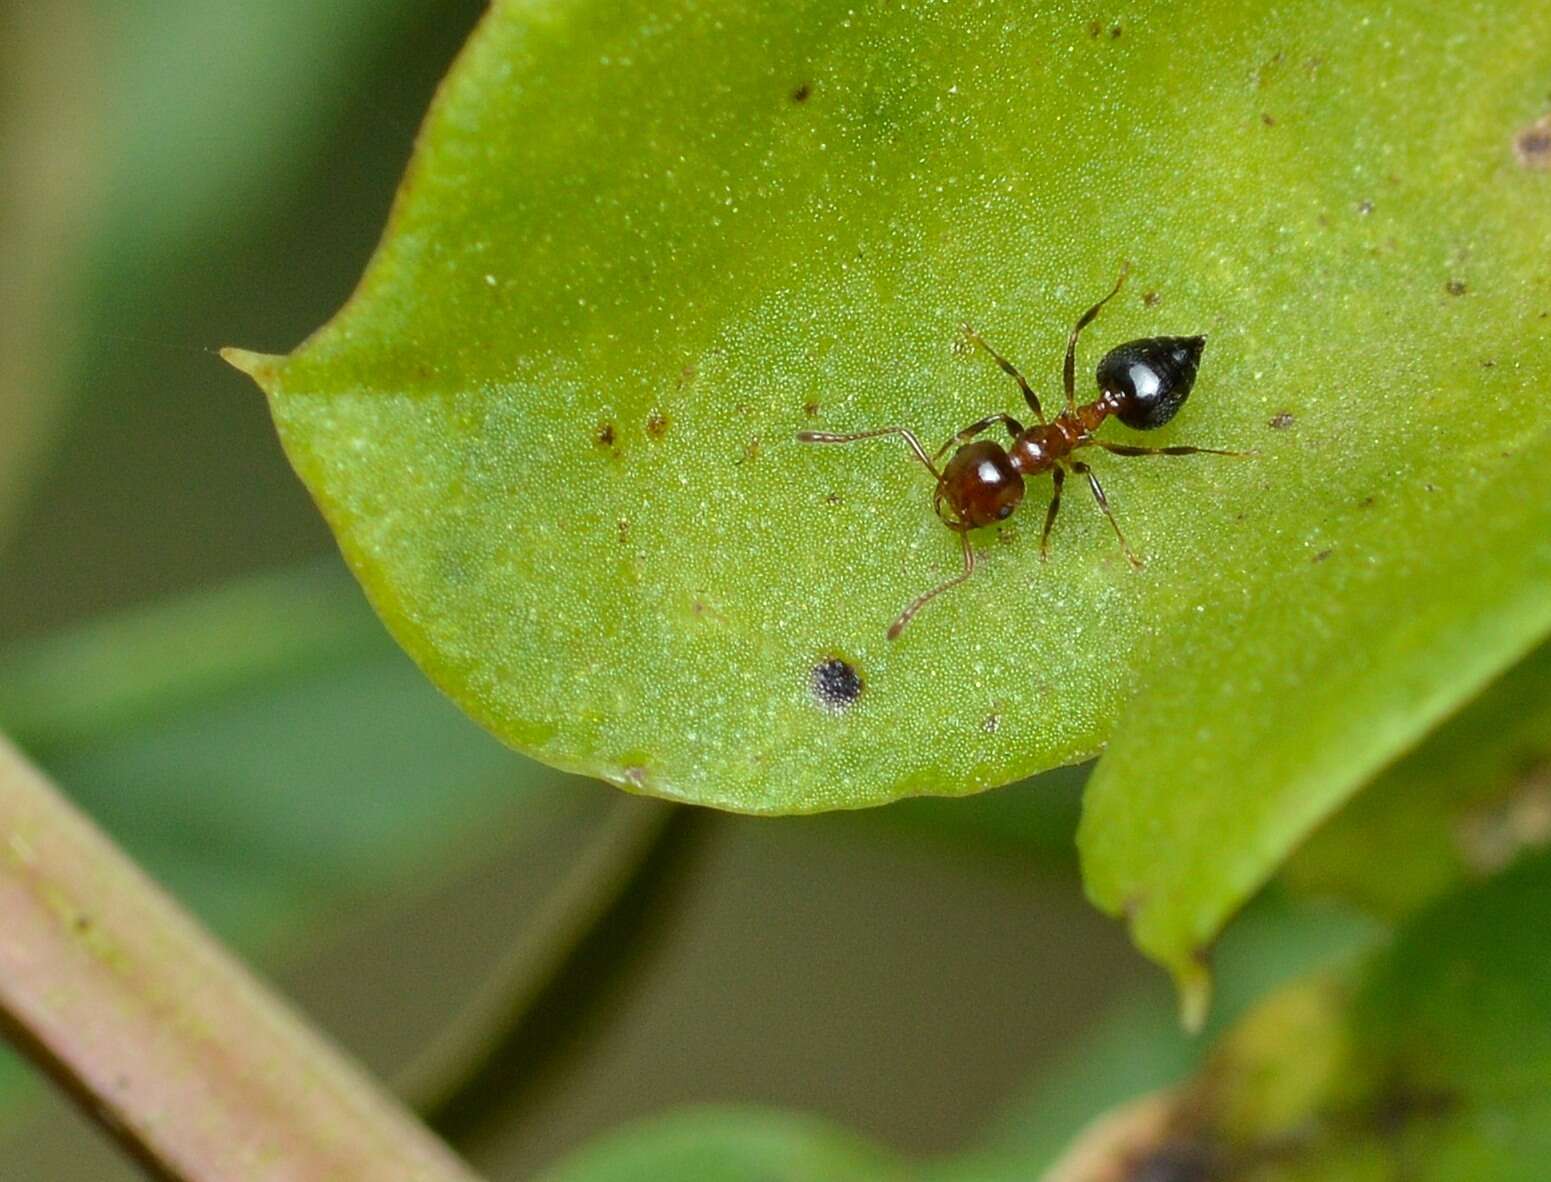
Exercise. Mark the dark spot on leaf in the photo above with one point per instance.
(1488, 363)
(1268, 119)
(1324, 554)
(1533, 145)
(657, 424)
(832, 499)
(83, 924)
(991, 723)
(604, 436)
(1150, 299)
(836, 683)
(1456, 287)
(686, 375)
(801, 92)
(1365, 207)
(1367, 502)
(1007, 535)
(1114, 32)
(1094, 28)
(1281, 420)
(811, 409)
(750, 451)
(624, 530)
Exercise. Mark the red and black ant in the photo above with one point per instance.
(1142, 383)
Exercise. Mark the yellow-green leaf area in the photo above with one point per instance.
(641, 246)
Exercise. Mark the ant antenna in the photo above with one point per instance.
(909, 437)
(921, 601)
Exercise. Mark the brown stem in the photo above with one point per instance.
(160, 1035)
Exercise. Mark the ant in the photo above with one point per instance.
(1142, 383)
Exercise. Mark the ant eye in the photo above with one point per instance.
(1150, 379)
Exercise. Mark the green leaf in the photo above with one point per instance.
(731, 1145)
(1432, 1064)
(1473, 797)
(639, 249)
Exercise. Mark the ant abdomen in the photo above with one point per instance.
(1147, 381)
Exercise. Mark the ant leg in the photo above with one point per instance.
(1058, 478)
(921, 601)
(1098, 495)
(909, 437)
(1128, 449)
(1014, 428)
(1069, 370)
(1011, 371)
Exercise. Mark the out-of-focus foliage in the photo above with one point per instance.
(1463, 805)
(266, 753)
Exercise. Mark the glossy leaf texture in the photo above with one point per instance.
(641, 246)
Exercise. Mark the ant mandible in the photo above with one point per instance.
(1142, 383)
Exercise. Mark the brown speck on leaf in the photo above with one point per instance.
(1365, 207)
(811, 409)
(624, 531)
(1323, 554)
(991, 723)
(604, 436)
(1268, 119)
(750, 451)
(1114, 33)
(1007, 535)
(801, 92)
(1281, 420)
(1151, 298)
(832, 499)
(1456, 287)
(1094, 28)
(1488, 363)
(1367, 502)
(1532, 146)
(687, 375)
(657, 424)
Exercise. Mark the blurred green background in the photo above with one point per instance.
(181, 649)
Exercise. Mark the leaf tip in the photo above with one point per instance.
(1193, 979)
(258, 366)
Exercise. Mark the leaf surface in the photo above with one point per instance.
(641, 247)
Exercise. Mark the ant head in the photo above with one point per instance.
(981, 484)
(1148, 381)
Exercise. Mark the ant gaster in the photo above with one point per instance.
(1142, 383)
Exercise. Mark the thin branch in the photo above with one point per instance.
(591, 887)
(164, 1038)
